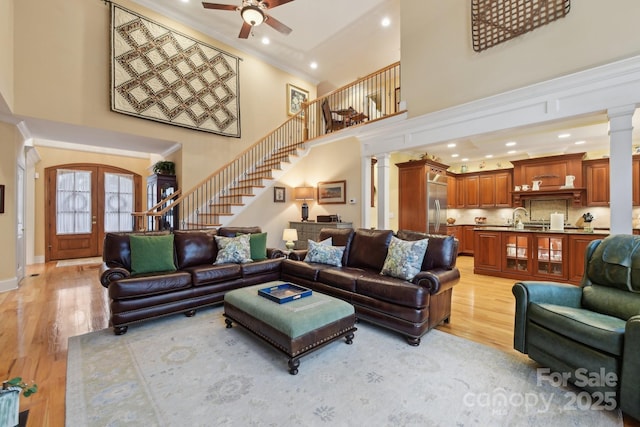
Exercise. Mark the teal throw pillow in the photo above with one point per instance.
(151, 254)
(404, 258)
(258, 246)
(235, 250)
(323, 253)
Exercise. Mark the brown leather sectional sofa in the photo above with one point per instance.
(411, 308)
(197, 282)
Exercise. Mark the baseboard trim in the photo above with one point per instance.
(9, 284)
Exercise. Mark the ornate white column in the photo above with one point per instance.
(620, 168)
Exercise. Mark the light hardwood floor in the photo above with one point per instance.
(54, 303)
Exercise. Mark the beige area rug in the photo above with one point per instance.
(79, 261)
(195, 372)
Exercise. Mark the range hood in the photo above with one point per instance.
(575, 196)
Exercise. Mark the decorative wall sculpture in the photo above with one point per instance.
(496, 21)
(162, 75)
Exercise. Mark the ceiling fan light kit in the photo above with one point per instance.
(253, 13)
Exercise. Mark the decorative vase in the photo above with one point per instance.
(10, 406)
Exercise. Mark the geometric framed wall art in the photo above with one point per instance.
(160, 74)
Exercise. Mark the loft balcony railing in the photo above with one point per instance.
(369, 99)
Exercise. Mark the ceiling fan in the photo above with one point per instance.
(253, 13)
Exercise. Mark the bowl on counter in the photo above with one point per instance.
(451, 221)
(480, 220)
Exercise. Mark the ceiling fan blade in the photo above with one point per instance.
(275, 3)
(219, 6)
(244, 31)
(277, 25)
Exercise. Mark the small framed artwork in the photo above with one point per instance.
(2, 198)
(332, 192)
(295, 98)
(279, 194)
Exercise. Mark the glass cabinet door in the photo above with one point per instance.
(550, 256)
(517, 252)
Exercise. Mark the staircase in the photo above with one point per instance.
(215, 200)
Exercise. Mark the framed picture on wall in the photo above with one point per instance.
(279, 194)
(332, 192)
(295, 98)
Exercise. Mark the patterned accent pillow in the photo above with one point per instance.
(404, 258)
(323, 253)
(233, 249)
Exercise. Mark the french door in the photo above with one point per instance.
(84, 201)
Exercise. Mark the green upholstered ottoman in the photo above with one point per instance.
(296, 327)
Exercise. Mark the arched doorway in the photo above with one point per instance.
(83, 202)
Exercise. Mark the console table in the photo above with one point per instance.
(311, 230)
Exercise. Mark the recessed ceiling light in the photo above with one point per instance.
(385, 22)
(580, 142)
(511, 152)
(564, 135)
(465, 159)
(265, 40)
(488, 156)
(185, 1)
(451, 145)
(313, 65)
(510, 143)
(455, 155)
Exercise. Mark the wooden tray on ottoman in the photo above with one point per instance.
(295, 328)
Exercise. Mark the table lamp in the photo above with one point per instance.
(304, 194)
(289, 235)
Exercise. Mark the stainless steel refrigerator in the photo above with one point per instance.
(436, 202)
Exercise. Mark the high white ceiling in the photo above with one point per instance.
(344, 37)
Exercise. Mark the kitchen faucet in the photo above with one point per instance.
(519, 226)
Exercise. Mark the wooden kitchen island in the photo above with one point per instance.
(532, 254)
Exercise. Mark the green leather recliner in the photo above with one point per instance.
(589, 333)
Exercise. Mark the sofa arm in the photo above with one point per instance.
(273, 253)
(629, 397)
(298, 255)
(539, 292)
(438, 279)
(110, 274)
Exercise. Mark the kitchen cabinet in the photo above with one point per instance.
(467, 242)
(596, 175)
(531, 255)
(635, 186)
(452, 188)
(489, 258)
(490, 189)
(577, 246)
(160, 187)
(422, 196)
(551, 170)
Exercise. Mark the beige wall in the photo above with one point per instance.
(440, 68)
(6, 51)
(64, 77)
(322, 164)
(55, 156)
(10, 142)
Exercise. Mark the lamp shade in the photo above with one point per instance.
(290, 235)
(304, 193)
(252, 15)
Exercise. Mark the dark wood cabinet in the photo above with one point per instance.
(467, 242)
(452, 195)
(531, 255)
(487, 191)
(635, 174)
(488, 256)
(471, 191)
(413, 213)
(551, 170)
(577, 246)
(596, 175)
(160, 187)
(504, 185)
(455, 231)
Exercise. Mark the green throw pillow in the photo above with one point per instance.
(151, 254)
(404, 258)
(258, 245)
